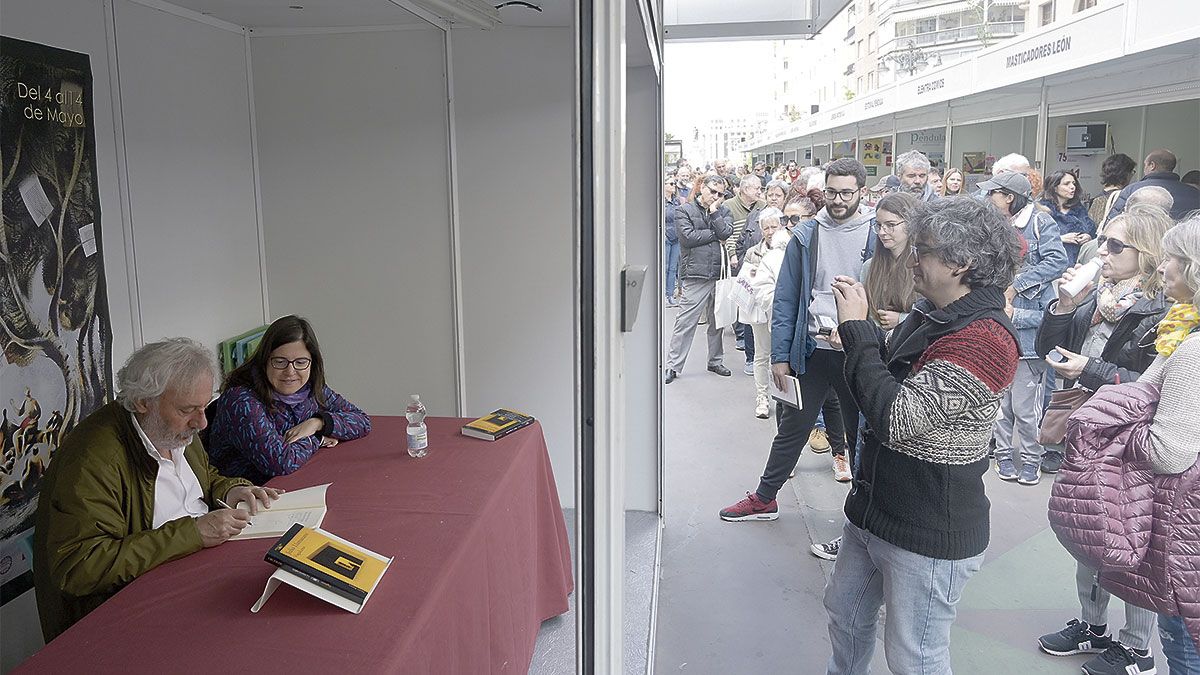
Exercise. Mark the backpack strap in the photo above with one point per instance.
(868, 251)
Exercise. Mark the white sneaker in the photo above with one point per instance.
(841, 469)
(762, 409)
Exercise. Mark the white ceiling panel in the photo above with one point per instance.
(312, 13)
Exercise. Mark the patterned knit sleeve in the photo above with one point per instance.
(1175, 427)
(256, 437)
(343, 420)
(946, 409)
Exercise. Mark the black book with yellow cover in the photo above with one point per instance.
(324, 565)
(497, 424)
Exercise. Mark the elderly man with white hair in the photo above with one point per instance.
(131, 488)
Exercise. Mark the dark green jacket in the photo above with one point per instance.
(92, 534)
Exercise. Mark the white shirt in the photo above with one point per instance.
(177, 491)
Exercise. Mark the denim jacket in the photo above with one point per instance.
(1045, 261)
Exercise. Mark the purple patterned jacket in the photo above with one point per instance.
(246, 439)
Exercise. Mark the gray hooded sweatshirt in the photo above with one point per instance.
(839, 253)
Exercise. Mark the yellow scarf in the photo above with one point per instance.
(1180, 320)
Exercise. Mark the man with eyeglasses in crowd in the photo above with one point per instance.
(760, 170)
(803, 343)
(748, 201)
(702, 226)
(1031, 292)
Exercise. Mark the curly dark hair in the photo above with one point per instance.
(1117, 170)
(962, 231)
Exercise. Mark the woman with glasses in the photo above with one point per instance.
(1105, 335)
(1062, 196)
(952, 183)
(275, 410)
(886, 276)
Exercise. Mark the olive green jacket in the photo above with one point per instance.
(92, 533)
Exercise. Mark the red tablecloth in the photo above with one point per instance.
(481, 559)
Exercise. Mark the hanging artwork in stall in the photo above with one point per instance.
(56, 338)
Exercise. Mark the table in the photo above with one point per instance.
(481, 559)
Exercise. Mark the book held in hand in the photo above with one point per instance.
(325, 566)
(306, 506)
(497, 424)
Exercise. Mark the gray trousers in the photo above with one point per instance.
(1021, 414)
(696, 300)
(1139, 622)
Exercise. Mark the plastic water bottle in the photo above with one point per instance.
(418, 434)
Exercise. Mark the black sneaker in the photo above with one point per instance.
(826, 550)
(1076, 638)
(1052, 461)
(1120, 660)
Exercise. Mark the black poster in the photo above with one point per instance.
(54, 326)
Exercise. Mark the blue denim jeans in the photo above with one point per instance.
(1178, 647)
(920, 594)
(671, 250)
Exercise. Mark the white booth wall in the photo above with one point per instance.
(1174, 126)
(513, 119)
(643, 246)
(355, 202)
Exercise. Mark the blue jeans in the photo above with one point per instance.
(920, 593)
(1178, 647)
(672, 268)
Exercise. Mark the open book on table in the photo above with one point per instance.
(306, 506)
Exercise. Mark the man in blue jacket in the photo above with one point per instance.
(803, 344)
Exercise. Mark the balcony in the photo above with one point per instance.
(849, 70)
(850, 33)
(994, 29)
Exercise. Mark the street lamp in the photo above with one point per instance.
(912, 59)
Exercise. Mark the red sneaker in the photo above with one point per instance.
(751, 508)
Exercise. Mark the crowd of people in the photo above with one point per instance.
(929, 325)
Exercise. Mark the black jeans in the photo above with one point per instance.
(823, 372)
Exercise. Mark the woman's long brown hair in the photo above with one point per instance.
(889, 282)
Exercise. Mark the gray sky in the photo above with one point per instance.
(700, 76)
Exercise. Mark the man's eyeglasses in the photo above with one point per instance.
(845, 195)
(280, 363)
(918, 251)
(880, 226)
(1115, 246)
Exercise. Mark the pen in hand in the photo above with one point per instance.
(223, 505)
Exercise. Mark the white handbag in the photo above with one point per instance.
(725, 309)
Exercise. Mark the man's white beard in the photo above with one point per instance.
(156, 430)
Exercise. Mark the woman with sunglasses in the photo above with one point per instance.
(275, 410)
(1105, 335)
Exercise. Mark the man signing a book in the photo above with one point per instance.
(131, 487)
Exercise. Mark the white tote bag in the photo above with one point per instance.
(725, 309)
(750, 309)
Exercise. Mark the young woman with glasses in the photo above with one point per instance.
(275, 410)
(886, 276)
